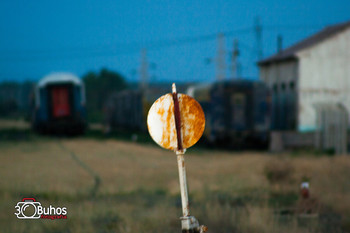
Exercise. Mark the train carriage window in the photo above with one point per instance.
(283, 86)
(275, 88)
(291, 85)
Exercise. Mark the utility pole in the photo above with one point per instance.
(144, 69)
(258, 38)
(220, 58)
(220, 77)
(234, 60)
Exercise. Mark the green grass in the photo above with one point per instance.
(139, 191)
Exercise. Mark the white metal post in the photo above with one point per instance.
(183, 183)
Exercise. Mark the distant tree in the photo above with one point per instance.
(99, 86)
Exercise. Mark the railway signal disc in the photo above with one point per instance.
(161, 121)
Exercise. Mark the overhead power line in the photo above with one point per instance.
(104, 51)
(29, 55)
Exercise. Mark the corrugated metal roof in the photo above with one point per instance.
(290, 53)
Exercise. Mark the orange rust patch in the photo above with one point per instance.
(193, 120)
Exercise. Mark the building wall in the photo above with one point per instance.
(282, 79)
(324, 76)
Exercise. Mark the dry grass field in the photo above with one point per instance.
(111, 185)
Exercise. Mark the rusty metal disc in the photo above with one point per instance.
(161, 121)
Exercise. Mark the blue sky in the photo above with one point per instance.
(38, 37)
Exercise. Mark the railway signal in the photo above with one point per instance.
(176, 122)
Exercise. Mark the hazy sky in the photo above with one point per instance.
(38, 37)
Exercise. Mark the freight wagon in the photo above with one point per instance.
(59, 104)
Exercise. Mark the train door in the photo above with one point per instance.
(60, 102)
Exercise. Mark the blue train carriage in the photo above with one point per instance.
(59, 104)
(237, 112)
